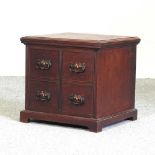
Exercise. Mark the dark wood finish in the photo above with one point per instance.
(85, 109)
(93, 124)
(42, 54)
(80, 40)
(75, 56)
(115, 80)
(80, 79)
(35, 103)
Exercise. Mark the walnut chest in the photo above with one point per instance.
(80, 79)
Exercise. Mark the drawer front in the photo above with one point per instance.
(44, 64)
(43, 97)
(77, 100)
(78, 65)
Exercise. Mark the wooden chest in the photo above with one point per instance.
(80, 79)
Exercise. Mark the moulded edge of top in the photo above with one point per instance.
(36, 40)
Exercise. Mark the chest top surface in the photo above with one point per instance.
(79, 39)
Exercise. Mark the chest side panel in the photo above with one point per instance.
(115, 87)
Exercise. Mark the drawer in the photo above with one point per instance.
(78, 65)
(77, 100)
(43, 97)
(44, 63)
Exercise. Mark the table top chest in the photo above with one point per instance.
(81, 79)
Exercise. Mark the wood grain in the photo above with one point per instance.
(80, 40)
(107, 84)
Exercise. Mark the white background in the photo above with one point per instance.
(116, 17)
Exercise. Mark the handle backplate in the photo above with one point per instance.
(76, 99)
(43, 64)
(77, 67)
(43, 95)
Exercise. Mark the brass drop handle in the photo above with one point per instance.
(76, 99)
(43, 64)
(77, 67)
(43, 95)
